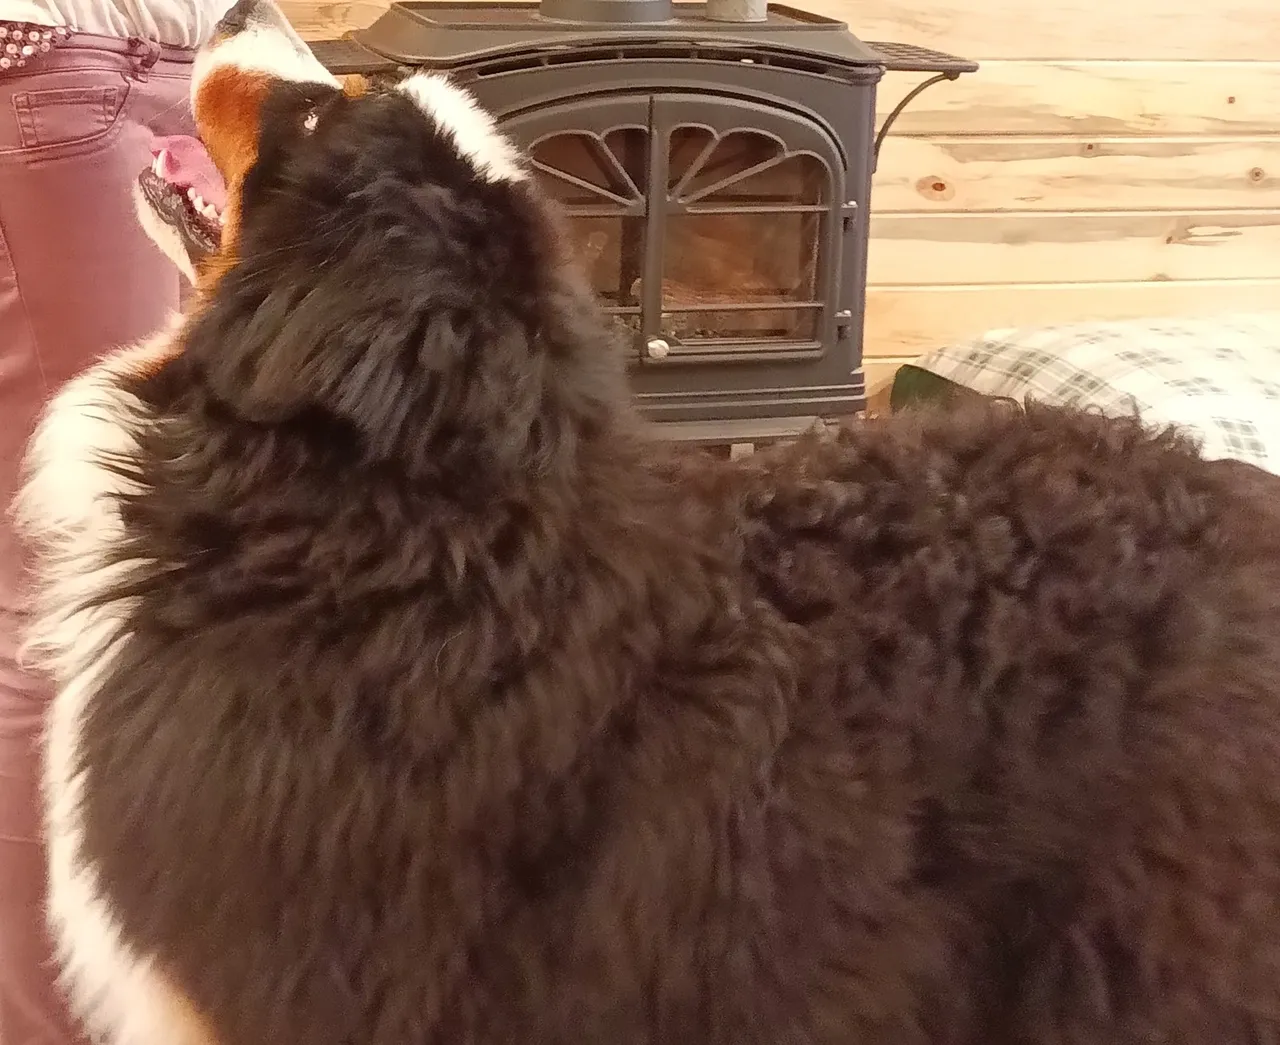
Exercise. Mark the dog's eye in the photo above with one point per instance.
(310, 120)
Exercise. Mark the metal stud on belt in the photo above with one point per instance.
(22, 41)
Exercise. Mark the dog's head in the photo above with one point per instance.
(375, 256)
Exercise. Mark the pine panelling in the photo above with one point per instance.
(325, 21)
(1074, 247)
(989, 30)
(904, 322)
(942, 175)
(1149, 30)
(1143, 30)
(907, 321)
(1095, 98)
(1150, 117)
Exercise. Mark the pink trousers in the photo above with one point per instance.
(77, 277)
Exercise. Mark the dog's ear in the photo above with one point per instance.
(398, 365)
(274, 357)
(425, 314)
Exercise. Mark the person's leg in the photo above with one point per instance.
(88, 276)
(77, 277)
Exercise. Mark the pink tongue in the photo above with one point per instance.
(186, 164)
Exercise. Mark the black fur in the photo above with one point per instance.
(388, 288)
(457, 712)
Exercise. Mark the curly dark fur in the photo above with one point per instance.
(509, 725)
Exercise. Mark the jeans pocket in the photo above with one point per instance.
(46, 114)
(70, 115)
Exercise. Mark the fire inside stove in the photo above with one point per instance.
(741, 230)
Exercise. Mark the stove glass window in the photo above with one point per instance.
(742, 220)
(745, 220)
(601, 180)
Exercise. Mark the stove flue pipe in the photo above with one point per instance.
(630, 12)
(737, 10)
(613, 12)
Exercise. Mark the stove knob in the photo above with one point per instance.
(657, 348)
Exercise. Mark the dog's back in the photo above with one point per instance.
(959, 728)
(407, 695)
(1047, 716)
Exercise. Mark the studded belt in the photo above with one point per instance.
(20, 42)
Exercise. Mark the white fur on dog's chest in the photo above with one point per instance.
(69, 510)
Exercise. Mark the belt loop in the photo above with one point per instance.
(147, 58)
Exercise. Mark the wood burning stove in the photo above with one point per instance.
(715, 162)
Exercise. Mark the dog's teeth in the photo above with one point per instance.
(206, 209)
(157, 165)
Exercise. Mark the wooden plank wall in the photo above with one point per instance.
(1108, 161)
(1105, 163)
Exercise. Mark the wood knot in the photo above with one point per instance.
(1257, 175)
(935, 188)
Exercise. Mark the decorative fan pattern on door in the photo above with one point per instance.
(580, 168)
(741, 248)
(740, 167)
(601, 180)
(741, 222)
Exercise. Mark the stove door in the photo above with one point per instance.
(593, 157)
(712, 227)
(751, 227)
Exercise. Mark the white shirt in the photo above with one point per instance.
(178, 23)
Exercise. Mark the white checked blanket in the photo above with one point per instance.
(1217, 378)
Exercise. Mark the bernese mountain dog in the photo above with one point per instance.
(410, 693)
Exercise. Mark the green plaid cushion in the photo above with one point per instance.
(1217, 378)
